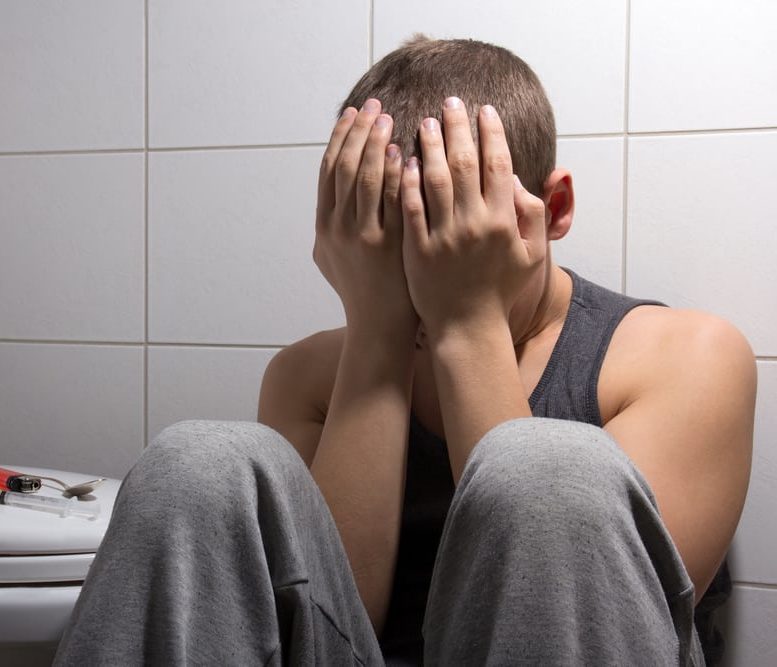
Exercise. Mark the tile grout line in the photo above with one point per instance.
(145, 233)
(259, 147)
(203, 346)
(755, 584)
(625, 199)
(143, 343)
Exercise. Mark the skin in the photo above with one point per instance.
(468, 272)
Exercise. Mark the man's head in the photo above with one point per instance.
(413, 81)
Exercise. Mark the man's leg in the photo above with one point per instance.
(553, 553)
(221, 550)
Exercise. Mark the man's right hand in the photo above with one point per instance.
(358, 244)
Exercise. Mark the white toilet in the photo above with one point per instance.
(44, 558)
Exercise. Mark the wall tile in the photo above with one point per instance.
(578, 50)
(594, 246)
(72, 75)
(203, 383)
(753, 555)
(699, 235)
(251, 72)
(72, 247)
(231, 240)
(71, 407)
(697, 65)
(749, 620)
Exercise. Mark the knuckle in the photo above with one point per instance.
(433, 140)
(391, 197)
(414, 208)
(471, 233)
(495, 129)
(459, 121)
(464, 162)
(347, 164)
(371, 238)
(505, 231)
(437, 182)
(364, 119)
(368, 179)
(499, 164)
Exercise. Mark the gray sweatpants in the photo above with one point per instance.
(222, 551)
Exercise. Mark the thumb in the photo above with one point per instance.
(529, 212)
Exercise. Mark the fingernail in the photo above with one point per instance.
(452, 103)
(348, 111)
(392, 152)
(372, 105)
(382, 120)
(517, 181)
(488, 110)
(412, 163)
(431, 124)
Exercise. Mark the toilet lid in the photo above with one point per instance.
(38, 546)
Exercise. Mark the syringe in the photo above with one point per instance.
(61, 506)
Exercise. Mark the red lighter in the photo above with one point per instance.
(16, 481)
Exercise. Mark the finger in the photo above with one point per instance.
(530, 213)
(462, 154)
(326, 175)
(497, 163)
(369, 183)
(350, 157)
(392, 202)
(415, 230)
(438, 186)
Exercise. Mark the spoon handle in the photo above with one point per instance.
(54, 479)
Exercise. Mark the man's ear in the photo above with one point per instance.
(559, 198)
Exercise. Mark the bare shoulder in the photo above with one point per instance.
(683, 389)
(296, 387)
(655, 347)
(311, 363)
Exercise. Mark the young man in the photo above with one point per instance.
(460, 244)
(503, 463)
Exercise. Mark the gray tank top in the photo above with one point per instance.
(567, 390)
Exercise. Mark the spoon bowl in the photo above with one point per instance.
(77, 490)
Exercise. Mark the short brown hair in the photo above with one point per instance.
(413, 81)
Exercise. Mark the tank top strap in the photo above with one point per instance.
(568, 386)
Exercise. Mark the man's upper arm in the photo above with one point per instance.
(689, 431)
(289, 400)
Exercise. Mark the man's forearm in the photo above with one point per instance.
(360, 461)
(478, 384)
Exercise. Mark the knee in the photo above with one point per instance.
(552, 471)
(208, 459)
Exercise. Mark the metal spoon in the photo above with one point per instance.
(76, 490)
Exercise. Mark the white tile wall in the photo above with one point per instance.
(248, 72)
(697, 65)
(699, 235)
(578, 49)
(231, 238)
(749, 620)
(72, 247)
(596, 165)
(71, 407)
(229, 232)
(203, 383)
(71, 74)
(754, 552)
